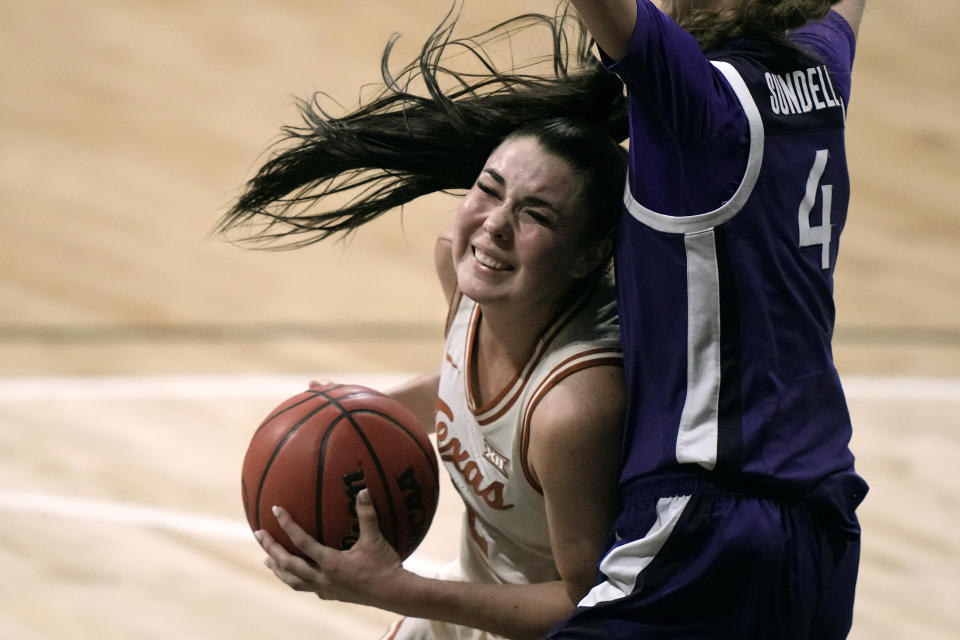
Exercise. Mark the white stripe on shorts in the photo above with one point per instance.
(624, 563)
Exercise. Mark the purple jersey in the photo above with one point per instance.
(737, 193)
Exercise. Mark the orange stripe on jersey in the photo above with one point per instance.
(468, 350)
(393, 630)
(577, 362)
(495, 409)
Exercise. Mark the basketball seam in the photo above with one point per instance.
(278, 413)
(347, 413)
(318, 495)
(428, 454)
(277, 449)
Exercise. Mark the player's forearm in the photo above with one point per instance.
(512, 611)
(420, 397)
(610, 22)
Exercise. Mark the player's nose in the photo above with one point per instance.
(498, 222)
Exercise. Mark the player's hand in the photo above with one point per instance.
(368, 573)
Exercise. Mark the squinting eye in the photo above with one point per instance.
(490, 191)
(537, 217)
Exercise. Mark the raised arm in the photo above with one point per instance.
(852, 12)
(610, 22)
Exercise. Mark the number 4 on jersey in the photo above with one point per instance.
(820, 234)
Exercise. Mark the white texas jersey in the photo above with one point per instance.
(504, 537)
(484, 447)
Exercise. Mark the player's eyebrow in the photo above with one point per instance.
(530, 200)
(496, 176)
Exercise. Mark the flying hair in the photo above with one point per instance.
(759, 19)
(429, 128)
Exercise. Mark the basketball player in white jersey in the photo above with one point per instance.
(528, 403)
(528, 519)
(527, 406)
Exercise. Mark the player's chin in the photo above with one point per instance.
(482, 291)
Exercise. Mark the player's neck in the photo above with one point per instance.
(512, 335)
(502, 347)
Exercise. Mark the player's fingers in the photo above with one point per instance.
(295, 572)
(271, 546)
(278, 556)
(291, 580)
(317, 582)
(367, 517)
(300, 538)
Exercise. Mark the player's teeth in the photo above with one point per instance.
(488, 261)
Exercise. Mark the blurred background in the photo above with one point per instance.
(138, 351)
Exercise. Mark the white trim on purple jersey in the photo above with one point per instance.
(704, 221)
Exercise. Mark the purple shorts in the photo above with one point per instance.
(711, 562)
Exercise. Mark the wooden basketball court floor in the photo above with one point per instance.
(137, 352)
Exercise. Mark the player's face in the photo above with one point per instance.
(518, 233)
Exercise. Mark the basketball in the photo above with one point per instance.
(314, 453)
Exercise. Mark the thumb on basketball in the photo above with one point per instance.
(367, 517)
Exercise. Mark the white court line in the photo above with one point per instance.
(123, 513)
(160, 387)
(902, 387)
(130, 514)
(190, 386)
(281, 386)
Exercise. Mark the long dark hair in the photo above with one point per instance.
(759, 19)
(330, 175)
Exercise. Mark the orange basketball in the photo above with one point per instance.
(314, 453)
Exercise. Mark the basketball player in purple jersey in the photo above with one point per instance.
(739, 489)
